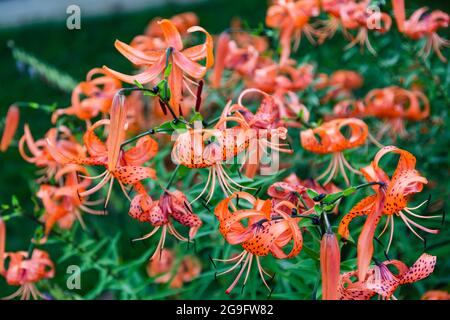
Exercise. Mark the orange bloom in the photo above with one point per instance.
(390, 199)
(420, 26)
(380, 280)
(159, 213)
(24, 271)
(125, 166)
(91, 97)
(11, 124)
(436, 295)
(39, 153)
(395, 104)
(333, 141)
(341, 84)
(267, 230)
(357, 15)
(212, 148)
(184, 61)
(62, 203)
(182, 22)
(351, 15)
(242, 54)
(292, 18)
(265, 120)
(163, 271)
(330, 261)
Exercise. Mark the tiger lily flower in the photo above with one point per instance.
(62, 204)
(240, 52)
(163, 269)
(40, 155)
(91, 97)
(390, 199)
(380, 280)
(279, 79)
(268, 129)
(267, 230)
(421, 25)
(213, 148)
(356, 15)
(171, 205)
(184, 61)
(341, 84)
(153, 39)
(396, 105)
(182, 22)
(352, 15)
(330, 262)
(292, 19)
(11, 124)
(24, 270)
(332, 141)
(126, 166)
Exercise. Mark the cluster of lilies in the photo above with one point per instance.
(170, 86)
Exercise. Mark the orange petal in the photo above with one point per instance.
(330, 266)
(145, 149)
(399, 13)
(365, 240)
(137, 57)
(145, 77)
(11, 123)
(176, 86)
(221, 55)
(363, 207)
(201, 51)
(118, 117)
(171, 34)
(421, 269)
(133, 174)
(192, 68)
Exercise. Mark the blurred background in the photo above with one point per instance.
(39, 28)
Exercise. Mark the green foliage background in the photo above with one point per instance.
(113, 267)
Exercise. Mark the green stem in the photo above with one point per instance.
(326, 222)
(172, 177)
(145, 133)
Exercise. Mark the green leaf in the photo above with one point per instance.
(349, 191)
(15, 202)
(311, 253)
(332, 197)
(311, 193)
(168, 70)
(196, 117)
(318, 209)
(163, 90)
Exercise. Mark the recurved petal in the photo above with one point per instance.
(201, 51)
(421, 269)
(365, 240)
(364, 207)
(192, 68)
(171, 34)
(145, 149)
(136, 56)
(133, 174)
(145, 77)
